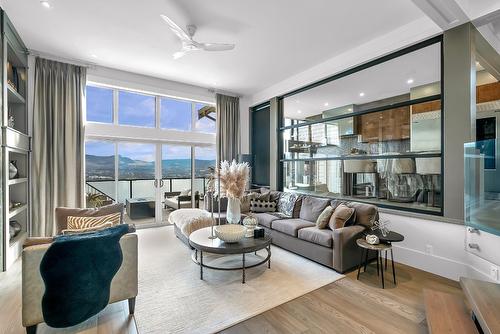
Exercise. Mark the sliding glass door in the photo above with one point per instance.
(176, 179)
(150, 179)
(137, 181)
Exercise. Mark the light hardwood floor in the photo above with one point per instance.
(352, 306)
(345, 306)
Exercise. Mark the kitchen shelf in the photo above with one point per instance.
(18, 210)
(17, 181)
(13, 96)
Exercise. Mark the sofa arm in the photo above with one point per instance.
(123, 286)
(346, 252)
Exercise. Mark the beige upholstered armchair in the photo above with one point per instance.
(124, 285)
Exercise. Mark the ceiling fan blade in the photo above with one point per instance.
(176, 29)
(178, 54)
(216, 46)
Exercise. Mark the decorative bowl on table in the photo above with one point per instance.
(230, 232)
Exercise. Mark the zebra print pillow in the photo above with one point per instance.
(78, 223)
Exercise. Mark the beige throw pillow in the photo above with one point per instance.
(88, 229)
(324, 217)
(78, 223)
(340, 216)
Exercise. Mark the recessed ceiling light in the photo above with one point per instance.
(349, 109)
(362, 94)
(299, 111)
(326, 104)
(45, 3)
(409, 81)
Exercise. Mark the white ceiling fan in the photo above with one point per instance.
(189, 44)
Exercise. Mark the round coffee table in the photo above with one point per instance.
(201, 243)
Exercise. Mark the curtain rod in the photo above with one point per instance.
(218, 91)
(71, 61)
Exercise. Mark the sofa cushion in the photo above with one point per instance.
(323, 237)
(324, 217)
(290, 226)
(312, 207)
(286, 203)
(366, 214)
(266, 219)
(342, 216)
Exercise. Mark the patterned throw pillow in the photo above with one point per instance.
(324, 217)
(286, 203)
(78, 223)
(257, 205)
(88, 229)
(341, 217)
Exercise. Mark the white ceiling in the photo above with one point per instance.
(274, 39)
(382, 81)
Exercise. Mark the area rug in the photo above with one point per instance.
(173, 299)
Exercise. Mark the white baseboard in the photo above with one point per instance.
(438, 265)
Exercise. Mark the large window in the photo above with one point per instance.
(136, 109)
(123, 107)
(99, 104)
(372, 134)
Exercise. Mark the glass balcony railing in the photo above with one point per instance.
(482, 186)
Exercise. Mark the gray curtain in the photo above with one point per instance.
(228, 127)
(58, 138)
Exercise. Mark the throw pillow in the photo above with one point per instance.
(78, 223)
(324, 217)
(185, 192)
(286, 203)
(341, 216)
(88, 229)
(245, 202)
(257, 205)
(62, 214)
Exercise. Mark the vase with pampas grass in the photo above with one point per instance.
(233, 178)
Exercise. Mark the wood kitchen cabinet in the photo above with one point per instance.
(393, 124)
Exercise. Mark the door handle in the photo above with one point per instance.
(156, 183)
(161, 183)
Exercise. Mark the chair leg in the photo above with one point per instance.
(31, 329)
(131, 305)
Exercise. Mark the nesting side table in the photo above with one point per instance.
(379, 248)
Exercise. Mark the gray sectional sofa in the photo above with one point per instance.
(293, 228)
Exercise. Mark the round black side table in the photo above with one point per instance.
(388, 239)
(379, 248)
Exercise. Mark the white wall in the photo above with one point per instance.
(448, 256)
(122, 79)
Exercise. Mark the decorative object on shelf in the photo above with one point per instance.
(230, 233)
(250, 222)
(11, 121)
(15, 205)
(372, 239)
(14, 229)
(13, 171)
(233, 178)
(381, 225)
